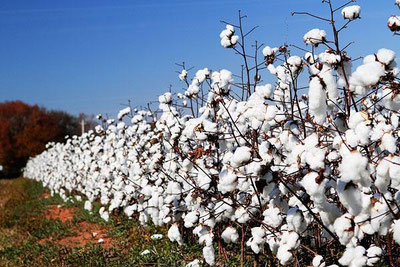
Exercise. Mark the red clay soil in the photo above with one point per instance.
(64, 214)
(83, 232)
(84, 235)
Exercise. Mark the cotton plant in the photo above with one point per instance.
(265, 165)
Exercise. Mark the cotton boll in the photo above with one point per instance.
(227, 181)
(374, 254)
(191, 218)
(318, 261)
(174, 234)
(194, 263)
(317, 101)
(124, 112)
(314, 37)
(385, 56)
(389, 143)
(183, 75)
(396, 231)
(354, 167)
(351, 12)
(354, 257)
(394, 23)
(230, 234)
(241, 156)
(264, 91)
(366, 76)
(88, 205)
(344, 228)
(295, 220)
(209, 255)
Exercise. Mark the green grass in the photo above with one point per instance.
(27, 238)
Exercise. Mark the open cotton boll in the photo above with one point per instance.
(317, 100)
(230, 235)
(183, 75)
(268, 51)
(318, 261)
(174, 234)
(314, 37)
(354, 257)
(354, 167)
(165, 98)
(374, 254)
(394, 23)
(264, 91)
(241, 156)
(351, 12)
(88, 205)
(227, 181)
(365, 76)
(123, 112)
(145, 252)
(389, 143)
(194, 263)
(209, 254)
(344, 228)
(396, 231)
(385, 56)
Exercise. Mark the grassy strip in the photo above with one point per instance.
(27, 238)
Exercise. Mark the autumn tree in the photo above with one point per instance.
(25, 130)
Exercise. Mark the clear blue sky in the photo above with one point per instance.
(91, 56)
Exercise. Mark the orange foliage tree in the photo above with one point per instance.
(25, 130)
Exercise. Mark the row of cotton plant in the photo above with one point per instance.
(277, 169)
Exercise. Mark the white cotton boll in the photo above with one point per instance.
(365, 76)
(191, 218)
(351, 138)
(209, 254)
(194, 263)
(230, 234)
(374, 254)
(351, 12)
(309, 182)
(396, 231)
(156, 237)
(124, 112)
(310, 58)
(268, 51)
(389, 143)
(354, 257)
(227, 181)
(317, 101)
(318, 261)
(385, 56)
(145, 252)
(354, 167)
(174, 234)
(394, 23)
(272, 216)
(105, 216)
(295, 220)
(241, 215)
(88, 205)
(182, 76)
(165, 98)
(284, 255)
(314, 37)
(344, 228)
(241, 156)
(329, 58)
(264, 91)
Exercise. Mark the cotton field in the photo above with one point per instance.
(270, 165)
